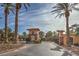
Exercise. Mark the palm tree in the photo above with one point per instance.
(7, 8)
(18, 7)
(64, 9)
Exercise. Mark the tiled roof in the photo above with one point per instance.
(34, 29)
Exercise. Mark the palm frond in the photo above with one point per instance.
(26, 5)
(57, 11)
(59, 15)
(63, 7)
(20, 5)
(74, 6)
(12, 11)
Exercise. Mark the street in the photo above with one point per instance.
(43, 49)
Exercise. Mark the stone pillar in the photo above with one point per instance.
(61, 37)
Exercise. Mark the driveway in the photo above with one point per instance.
(43, 49)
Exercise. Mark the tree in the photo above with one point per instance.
(54, 33)
(64, 9)
(11, 37)
(77, 31)
(10, 34)
(1, 32)
(17, 9)
(7, 9)
(49, 35)
(41, 34)
(73, 28)
(24, 35)
(55, 37)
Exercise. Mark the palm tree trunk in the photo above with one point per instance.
(16, 23)
(6, 24)
(67, 30)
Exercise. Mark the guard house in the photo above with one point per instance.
(34, 34)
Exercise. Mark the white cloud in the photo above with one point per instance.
(45, 21)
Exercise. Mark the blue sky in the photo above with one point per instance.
(38, 16)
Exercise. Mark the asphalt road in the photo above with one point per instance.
(43, 49)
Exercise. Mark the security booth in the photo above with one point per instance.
(34, 35)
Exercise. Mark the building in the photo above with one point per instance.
(74, 39)
(34, 34)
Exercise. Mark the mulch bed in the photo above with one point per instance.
(9, 47)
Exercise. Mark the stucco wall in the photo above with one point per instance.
(75, 39)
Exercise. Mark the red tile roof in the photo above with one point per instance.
(34, 29)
